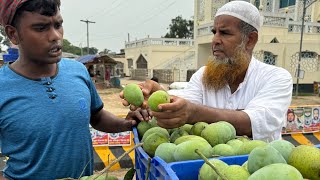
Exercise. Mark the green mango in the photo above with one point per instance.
(277, 171)
(133, 94)
(307, 160)
(186, 150)
(263, 156)
(156, 98)
(207, 173)
(284, 147)
(164, 151)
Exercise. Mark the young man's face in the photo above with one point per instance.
(40, 37)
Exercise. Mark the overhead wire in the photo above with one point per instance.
(152, 12)
(137, 24)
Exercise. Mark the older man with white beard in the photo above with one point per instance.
(233, 86)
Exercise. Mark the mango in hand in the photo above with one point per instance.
(133, 94)
(156, 98)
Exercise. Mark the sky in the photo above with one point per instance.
(114, 19)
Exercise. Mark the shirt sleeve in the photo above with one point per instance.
(268, 108)
(194, 89)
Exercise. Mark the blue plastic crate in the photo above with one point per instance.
(160, 170)
(186, 170)
(13, 51)
(189, 170)
(10, 57)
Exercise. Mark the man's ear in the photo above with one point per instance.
(12, 34)
(252, 40)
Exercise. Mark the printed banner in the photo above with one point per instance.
(98, 138)
(110, 139)
(120, 139)
(302, 119)
(315, 124)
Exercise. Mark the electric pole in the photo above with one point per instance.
(87, 21)
(305, 6)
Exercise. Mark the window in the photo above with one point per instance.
(257, 3)
(269, 58)
(286, 3)
(307, 54)
(130, 63)
(274, 40)
(142, 63)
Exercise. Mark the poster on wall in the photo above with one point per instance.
(98, 138)
(302, 120)
(110, 139)
(307, 127)
(120, 139)
(295, 120)
(315, 124)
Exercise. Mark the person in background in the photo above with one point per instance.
(91, 71)
(315, 119)
(234, 86)
(155, 79)
(292, 125)
(47, 102)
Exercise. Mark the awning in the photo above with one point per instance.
(95, 59)
(86, 58)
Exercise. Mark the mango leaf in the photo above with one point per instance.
(129, 175)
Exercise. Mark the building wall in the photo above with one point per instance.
(157, 51)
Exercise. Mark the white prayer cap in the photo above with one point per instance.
(242, 10)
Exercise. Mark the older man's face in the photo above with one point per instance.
(227, 37)
(230, 58)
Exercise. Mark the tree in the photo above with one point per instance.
(4, 41)
(180, 28)
(105, 51)
(92, 50)
(68, 47)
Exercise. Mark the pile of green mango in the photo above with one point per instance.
(276, 160)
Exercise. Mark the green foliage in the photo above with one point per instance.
(68, 47)
(180, 28)
(4, 41)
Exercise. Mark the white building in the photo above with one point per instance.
(167, 58)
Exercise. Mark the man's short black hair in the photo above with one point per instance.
(43, 7)
(155, 79)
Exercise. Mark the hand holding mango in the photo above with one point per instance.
(158, 97)
(147, 88)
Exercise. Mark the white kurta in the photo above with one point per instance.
(265, 95)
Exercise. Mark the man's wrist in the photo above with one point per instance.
(127, 125)
(192, 109)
